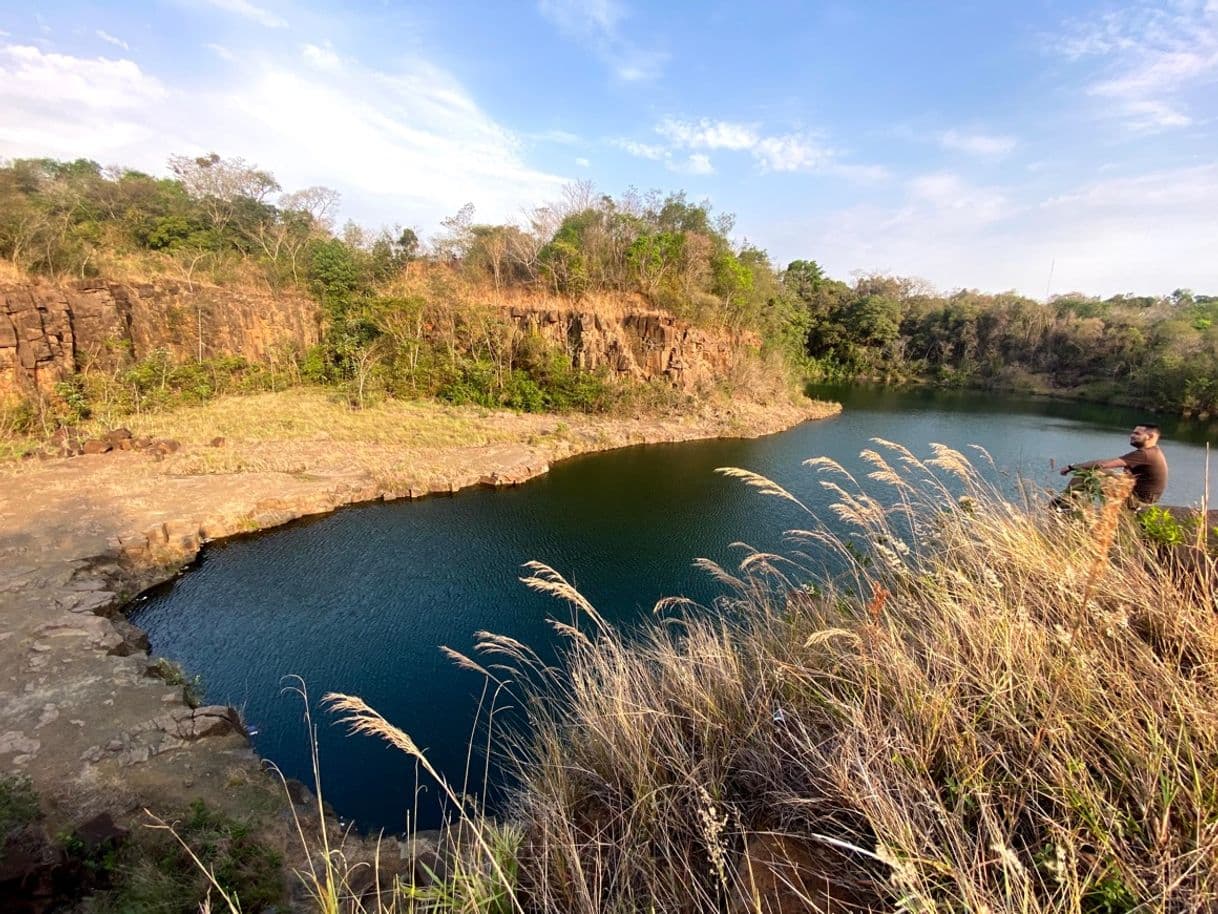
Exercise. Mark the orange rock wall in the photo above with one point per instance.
(48, 332)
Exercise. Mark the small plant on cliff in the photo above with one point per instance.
(208, 852)
(1161, 527)
(172, 673)
(18, 804)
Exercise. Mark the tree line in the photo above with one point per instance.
(1159, 352)
(413, 317)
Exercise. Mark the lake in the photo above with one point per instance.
(360, 600)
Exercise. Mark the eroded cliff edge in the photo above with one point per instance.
(48, 332)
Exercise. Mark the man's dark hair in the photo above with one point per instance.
(1150, 427)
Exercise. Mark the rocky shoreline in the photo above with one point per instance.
(100, 727)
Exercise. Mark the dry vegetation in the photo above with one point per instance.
(987, 709)
(991, 711)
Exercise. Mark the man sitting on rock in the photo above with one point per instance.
(1145, 463)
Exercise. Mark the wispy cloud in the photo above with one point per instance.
(422, 144)
(259, 14)
(800, 151)
(651, 151)
(949, 192)
(322, 56)
(582, 162)
(707, 134)
(598, 24)
(221, 51)
(978, 144)
(1142, 232)
(697, 163)
(110, 39)
(1150, 59)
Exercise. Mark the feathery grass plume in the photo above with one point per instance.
(546, 580)
(828, 464)
(761, 483)
(1028, 721)
(664, 604)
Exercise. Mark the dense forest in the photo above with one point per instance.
(224, 221)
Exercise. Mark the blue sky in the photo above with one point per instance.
(1041, 146)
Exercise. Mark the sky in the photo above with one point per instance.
(1044, 146)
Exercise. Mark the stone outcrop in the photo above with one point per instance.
(48, 332)
(641, 345)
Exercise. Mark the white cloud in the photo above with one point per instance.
(1145, 233)
(555, 135)
(1151, 57)
(642, 150)
(707, 134)
(582, 162)
(597, 24)
(221, 51)
(405, 146)
(322, 56)
(978, 144)
(946, 192)
(788, 152)
(696, 164)
(248, 10)
(110, 39)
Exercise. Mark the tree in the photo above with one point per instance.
(221, 185)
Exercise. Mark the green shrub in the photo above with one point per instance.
(18, 804)
(1160, 526)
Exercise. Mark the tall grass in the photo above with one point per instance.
(990, 709)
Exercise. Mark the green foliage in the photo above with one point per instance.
(334, 275)
(1156, 353)
(75, 399)
(18, 803)
(172, 674)
(1160, 526)
(155, 875)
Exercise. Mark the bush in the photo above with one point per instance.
(18, 804)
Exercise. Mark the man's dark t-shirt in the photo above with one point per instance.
(1149, 469)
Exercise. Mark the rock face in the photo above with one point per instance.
(48, 332)
(642, 345)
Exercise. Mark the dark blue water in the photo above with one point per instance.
(360, 601)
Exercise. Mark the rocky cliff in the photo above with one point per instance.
(48, 332)
(641, 345)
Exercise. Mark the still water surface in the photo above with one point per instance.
(359, 601)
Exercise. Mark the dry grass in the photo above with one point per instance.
(313, 414)
(10, 272)
(991, 710)
(443, 282)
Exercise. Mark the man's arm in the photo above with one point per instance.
(1114, 463)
